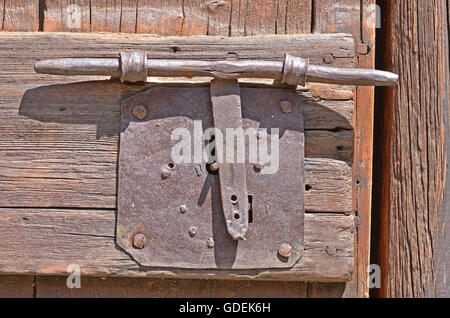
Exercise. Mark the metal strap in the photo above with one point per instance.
(295, 70)
(133, 66)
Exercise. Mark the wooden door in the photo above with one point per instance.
(228, 18)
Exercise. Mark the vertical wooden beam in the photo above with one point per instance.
(412, 161)
(358, 18)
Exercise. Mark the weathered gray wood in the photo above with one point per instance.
(59, 141)
(46, 241)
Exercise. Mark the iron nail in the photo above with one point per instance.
(286, 107)
(183, 208)
(192, 231)
(328, 58)
(331, 250)
(139, 240)
(258, 167)
(165, 174)
(285, 250)
(140, 112)
(210, 243)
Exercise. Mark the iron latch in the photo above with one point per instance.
(158, 193)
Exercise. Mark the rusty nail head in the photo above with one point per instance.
(183, 208)
(192, 231)
(214, 166)
(210, 243)
(328, 58)
(165, 174)
(331, 250)
(139, 240)
(258, 167)
(285, 250)
(286, 107)
(140, 112)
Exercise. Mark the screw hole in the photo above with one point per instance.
(308, 187)
(237, 216)
(175, 49)
(171, 165)
(234, 198)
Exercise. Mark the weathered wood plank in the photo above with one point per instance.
(46, 241)
(326, 290)
(67, 16)
(106, 15)
(162, 17)
(16, 286)
(55, 287)
(412, 160)
(20, 15)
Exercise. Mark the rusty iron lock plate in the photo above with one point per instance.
(170, 215)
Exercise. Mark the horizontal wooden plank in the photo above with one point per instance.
(47, 241)
(56, 286)
(43, 45)
(12, 286)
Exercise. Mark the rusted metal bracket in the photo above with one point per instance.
(226, 107)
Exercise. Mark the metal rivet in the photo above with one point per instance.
(139, 240)
(192, 231)
(258, 167)
(210, 243)
(285, 250)
(214, 166)
(140, 112)
(328, 58)
(286, 107)
(165, 174)
(183, 208)
(261, 135)
(331, 250)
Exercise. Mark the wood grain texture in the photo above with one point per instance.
(55, 286)
(302, 22)
(12, 286)
(412, 163)
(20, 15)
(47, 241)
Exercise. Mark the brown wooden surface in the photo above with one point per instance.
(412, 151)
(47, 241)
(236, 18)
